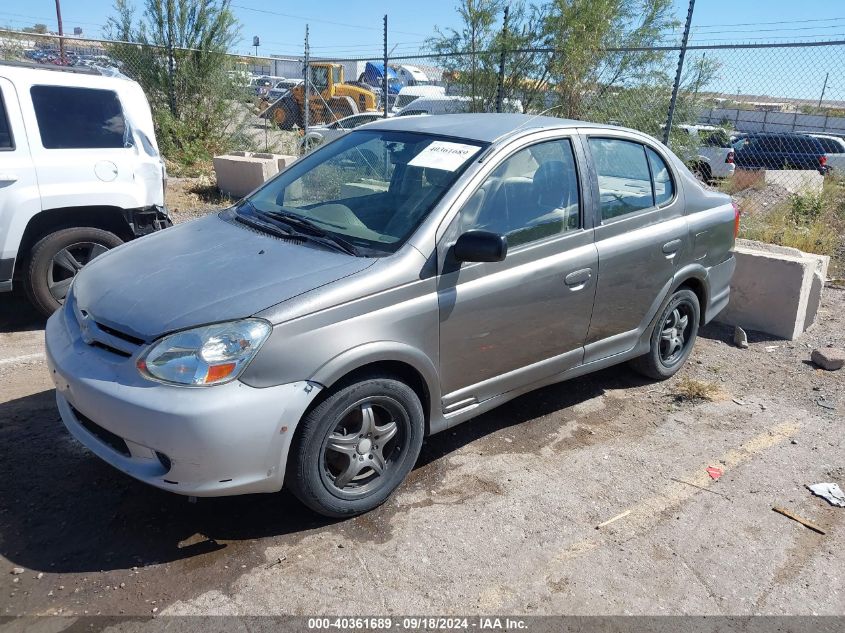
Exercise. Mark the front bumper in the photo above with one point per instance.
(202, 441)
(147, 220)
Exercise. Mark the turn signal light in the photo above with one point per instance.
(736, 220)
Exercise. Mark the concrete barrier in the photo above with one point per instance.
(238, 173)
(795, 180)
(775, 289)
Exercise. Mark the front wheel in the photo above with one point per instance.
(673, 337)
(55, 260)
(355, 448)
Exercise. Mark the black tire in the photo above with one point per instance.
(48, 270)
(660, 363)
(318, 472)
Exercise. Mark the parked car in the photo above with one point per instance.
(80, 173)
(318, 134)
(834, 147)
(326, 333)
(261, 86)
(448, 104)
(714, 155)
(281, 89)
(780, 151)
(409, 94)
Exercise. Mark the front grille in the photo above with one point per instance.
(104, 435)
(121, 335)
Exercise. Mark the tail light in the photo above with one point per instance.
(736, 219)
(729, 159)
(823, 160)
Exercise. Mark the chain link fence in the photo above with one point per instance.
(744, 113)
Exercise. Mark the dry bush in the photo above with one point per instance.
(689, 389)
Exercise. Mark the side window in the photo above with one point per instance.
(530, 196)
(6, 140)
(74, 118)
(664, 188)
(623, 174)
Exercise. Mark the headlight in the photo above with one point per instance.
(207, 355)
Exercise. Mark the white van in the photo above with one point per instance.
(80, 173)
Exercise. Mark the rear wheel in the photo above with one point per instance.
(672, 338)
(55, 260)
(355, 448)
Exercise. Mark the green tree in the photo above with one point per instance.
(177, 51)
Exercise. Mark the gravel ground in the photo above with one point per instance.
(499, 515)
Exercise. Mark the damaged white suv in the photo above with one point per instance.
(80, 173)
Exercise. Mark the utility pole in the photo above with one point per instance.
(671, 114)
(306, 77)
(700, 69)
(384, 85)
(824, 87)
(501, 87)
(61, 31)
(171, 64)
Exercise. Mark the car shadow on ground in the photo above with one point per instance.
(18, 315)
(63, 510)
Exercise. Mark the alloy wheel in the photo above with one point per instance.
(67, 262)
(674, 334)
(363, 448)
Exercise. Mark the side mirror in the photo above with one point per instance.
(481, 246)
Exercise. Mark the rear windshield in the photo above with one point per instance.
(76, 118)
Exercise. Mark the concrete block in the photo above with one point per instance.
(795, 180)
(775, 289)
(285, 160)
(241, 172)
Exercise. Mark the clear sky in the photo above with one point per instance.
(353, 28)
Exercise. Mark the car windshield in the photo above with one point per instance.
(369, 189)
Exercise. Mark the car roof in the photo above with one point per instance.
(478, 127)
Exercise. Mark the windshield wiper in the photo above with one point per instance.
(304, 226)
(289, 225)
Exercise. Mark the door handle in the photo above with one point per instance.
(8, 178)
(670, 248)
(578, 279)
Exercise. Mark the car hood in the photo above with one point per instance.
(205, 271)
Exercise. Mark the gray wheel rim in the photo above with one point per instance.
(675, 334)
(364, 447)
(66, 263)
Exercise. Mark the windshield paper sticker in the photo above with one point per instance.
(443, 155)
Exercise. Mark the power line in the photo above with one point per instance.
(321, 20)
(709, 26)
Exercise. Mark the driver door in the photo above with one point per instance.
(507, 324)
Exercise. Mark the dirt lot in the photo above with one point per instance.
(500, 514)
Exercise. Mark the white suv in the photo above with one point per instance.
(80, 173)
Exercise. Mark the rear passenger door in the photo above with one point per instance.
(640, 233)
(81, 144)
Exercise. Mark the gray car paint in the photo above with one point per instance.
(205, 271)
(334, 314)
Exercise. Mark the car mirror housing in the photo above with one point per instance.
(481, 246)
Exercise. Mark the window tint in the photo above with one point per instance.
(6, 140)
(830, 146)
(530, 196)
(70, 118)
(664, 188)
(624, 178)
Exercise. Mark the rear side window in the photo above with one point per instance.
(624, 177)
(664, 188)
(76, 118)
(6, 140)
